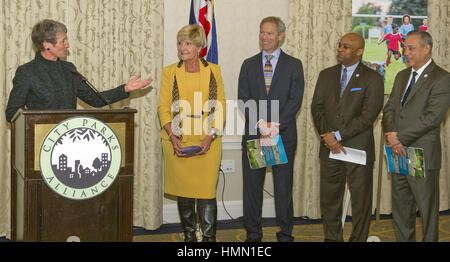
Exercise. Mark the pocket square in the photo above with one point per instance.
(355, 89)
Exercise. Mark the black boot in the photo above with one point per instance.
(207, 211)
(186, 209)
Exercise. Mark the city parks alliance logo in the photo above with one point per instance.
(80, 158)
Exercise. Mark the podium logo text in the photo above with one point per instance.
(80, 158)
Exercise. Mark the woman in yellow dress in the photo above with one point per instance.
(191, 110)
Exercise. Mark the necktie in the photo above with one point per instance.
(343, 81)
(268, 73)
(410, 87)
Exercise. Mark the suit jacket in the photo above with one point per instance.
(418, 120)
(50, 85)
(353, 114)
(165, 97)
(284, 98)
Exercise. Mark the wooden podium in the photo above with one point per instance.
(39, 213)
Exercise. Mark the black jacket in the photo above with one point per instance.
(42, 84)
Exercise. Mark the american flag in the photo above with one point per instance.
(202, 13)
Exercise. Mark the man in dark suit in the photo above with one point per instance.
(270, 94)
(347, 100)
(412, 117)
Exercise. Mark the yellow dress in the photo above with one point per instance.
(196, 176)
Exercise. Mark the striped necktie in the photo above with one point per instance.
(410, 87)
(268, 73)
(343, 81)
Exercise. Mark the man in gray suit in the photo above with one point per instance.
(412, 117)
(270, 89)
(346, 102)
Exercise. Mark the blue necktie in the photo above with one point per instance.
(343, 81)
(410, 87)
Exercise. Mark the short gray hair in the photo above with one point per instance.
(46, 30)
(281, 27)
(425, 38)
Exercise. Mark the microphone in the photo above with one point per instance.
(86, 81)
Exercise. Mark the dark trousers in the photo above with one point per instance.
(408, 193)
(253, 185)
(333, 176)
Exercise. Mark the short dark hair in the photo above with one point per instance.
(403, 18)
(46, 30)
(425, 38)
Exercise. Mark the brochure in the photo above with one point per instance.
(413, 164)
(270, 154)
(353, 156)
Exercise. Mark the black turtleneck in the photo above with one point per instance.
(43, 84)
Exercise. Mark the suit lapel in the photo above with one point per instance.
(403, 82)
(181, 79)
(333, 85)
(260, 77)
(180, 74)
(336, 89)
(277, 72)
(351, 84)
(205, 74)
(420, 82)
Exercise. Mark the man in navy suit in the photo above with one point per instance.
(270, 91)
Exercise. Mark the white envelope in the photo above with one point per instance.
(353, 155)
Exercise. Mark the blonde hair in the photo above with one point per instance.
(194, 33)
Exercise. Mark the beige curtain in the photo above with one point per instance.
(439, 24)
(314, 29)
(110, 42)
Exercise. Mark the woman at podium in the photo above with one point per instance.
(50, 83)
(191, 110)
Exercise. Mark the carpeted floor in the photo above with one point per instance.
(305, 230)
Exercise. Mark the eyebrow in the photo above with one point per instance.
(345, 44)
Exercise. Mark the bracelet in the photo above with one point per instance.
(213, 132)
(213, 135)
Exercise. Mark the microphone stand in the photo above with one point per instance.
(91, 86)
